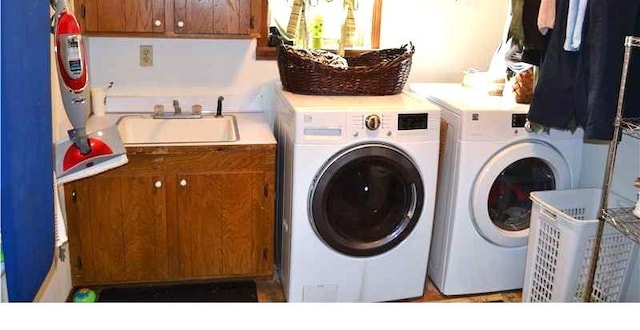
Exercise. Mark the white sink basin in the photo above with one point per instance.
(147, 130)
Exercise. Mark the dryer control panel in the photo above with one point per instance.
(518, 119)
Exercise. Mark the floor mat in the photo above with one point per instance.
(243, 291)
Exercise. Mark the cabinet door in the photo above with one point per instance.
(212, 17)
(222, 225)
(118, 16)
(117, 229)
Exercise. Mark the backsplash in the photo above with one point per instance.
(231, 103)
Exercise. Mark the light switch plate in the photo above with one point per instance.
(146, 55)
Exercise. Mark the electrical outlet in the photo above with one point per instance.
(146, 55)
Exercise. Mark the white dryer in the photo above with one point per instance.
(490, 164)
(358, 177)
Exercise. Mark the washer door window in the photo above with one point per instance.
(366, 200)
(500, 201)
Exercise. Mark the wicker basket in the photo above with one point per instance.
(379, 72)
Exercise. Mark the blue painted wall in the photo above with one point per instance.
(0, 145)
(26, 157)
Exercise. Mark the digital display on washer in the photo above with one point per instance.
(518, 119)
(412, 121)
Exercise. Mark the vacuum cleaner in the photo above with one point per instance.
(82, 154)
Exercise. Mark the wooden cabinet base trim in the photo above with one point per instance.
(221, 278)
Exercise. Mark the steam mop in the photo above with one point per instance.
(79, 155)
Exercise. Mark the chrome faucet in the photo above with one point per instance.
(159, 113)
(176, 107)
(219, 107)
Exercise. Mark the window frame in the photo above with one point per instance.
(264, 52)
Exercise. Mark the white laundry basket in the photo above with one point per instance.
(561, 237)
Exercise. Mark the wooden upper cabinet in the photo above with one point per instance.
(169, 18)
(121, 16)
(212, 17)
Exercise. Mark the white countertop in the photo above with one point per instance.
(253, 127)
(459, 98)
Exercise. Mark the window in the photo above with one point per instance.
(327, 13)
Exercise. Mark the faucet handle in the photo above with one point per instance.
(158, 109)
(196, 109)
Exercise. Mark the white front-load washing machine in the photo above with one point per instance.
(490, 164)
(358, 179)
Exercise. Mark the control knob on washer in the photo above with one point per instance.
(372, 122)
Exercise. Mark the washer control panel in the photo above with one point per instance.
(334, 128)
(413, 121)
(371, 125)
(387, 125)
(372, 122)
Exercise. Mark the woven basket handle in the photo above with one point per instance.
(409, 49)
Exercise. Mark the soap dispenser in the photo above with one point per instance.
(636, 210)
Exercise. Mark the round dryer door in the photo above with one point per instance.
(366, 200)
(500, 203)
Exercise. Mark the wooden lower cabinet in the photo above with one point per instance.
(117, 230)
(175, 214)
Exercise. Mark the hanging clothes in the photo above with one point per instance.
(523, 30)
(516, 28)
(581, 88)
(553, 103)
(534, 42)
(546, 16)
(575, 21)
(600, 66)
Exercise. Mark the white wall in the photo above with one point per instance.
(180, 67)
(449, 35)
(626, 169)
(627, 166)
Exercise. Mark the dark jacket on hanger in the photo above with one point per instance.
(607, 23)
(553, 103)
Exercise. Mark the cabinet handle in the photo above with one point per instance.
(157, 22)
(183, 183)
(158, 184)
(180, 24)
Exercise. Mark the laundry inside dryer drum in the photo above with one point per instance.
(509, 204)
